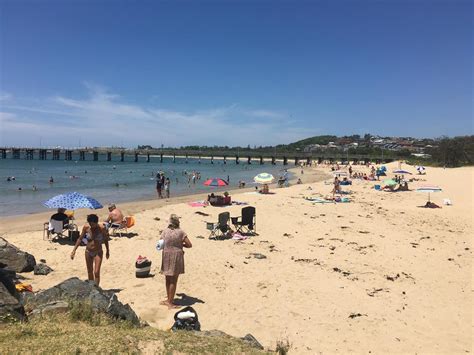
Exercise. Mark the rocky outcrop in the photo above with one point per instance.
(249, 339)
(42, 269)
(10, 303)
(12, 258)
(55, 298)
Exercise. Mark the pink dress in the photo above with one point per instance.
(172, 261)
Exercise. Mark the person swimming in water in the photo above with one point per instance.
(94, 235)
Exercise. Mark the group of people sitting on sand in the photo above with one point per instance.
(217, 200)
(402, 186)
(364, 176)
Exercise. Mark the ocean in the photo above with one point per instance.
(113, 181)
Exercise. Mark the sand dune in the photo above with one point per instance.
(377, 274)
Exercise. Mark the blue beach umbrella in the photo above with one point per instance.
(72, 201)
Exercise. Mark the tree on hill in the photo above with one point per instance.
(453, 152)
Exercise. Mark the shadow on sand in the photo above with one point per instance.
(186, 300)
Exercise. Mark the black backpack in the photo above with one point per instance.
(186, 324)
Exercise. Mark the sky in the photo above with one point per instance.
(122, 73)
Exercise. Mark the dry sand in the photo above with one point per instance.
(375, 275)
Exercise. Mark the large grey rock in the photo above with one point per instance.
(42, 269)
(74, 289)
(250, 339)
(10, 303)
(12, 258)
(50, 309)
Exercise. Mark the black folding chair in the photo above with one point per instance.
(247, 223)
(221, 229)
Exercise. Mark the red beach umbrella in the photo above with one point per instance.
(215, 182)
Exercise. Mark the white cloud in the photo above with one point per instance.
(107, 119)
(266, 114)
(5, 96)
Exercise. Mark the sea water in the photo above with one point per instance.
(113, 181)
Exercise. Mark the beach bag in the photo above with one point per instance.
(73, 235)
(186, 319)
(142, 267)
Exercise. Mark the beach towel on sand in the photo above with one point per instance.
(22, 287)
(198, 204)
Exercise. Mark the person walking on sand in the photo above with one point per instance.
(94, 235)
(172, 261)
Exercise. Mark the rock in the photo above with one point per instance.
(10, 304)
(42, 269)
(50, 309)
(258, 256)
(250, 339)
(74, 289)
(14, 259)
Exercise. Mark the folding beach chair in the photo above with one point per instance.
(57, 229)
(247, 222)
(221, 229)
(118, 228)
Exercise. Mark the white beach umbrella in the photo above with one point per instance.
(264, 178)
(429, 189)
(339, 173)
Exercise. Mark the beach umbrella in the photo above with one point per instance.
(263, 178)
(389, 182)
(420, 169)
(429, 189)
(401, 172)
(72, 201)
(215, 182)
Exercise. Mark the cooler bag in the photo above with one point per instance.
(142, 267)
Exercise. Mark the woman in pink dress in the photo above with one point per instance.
(172, 262)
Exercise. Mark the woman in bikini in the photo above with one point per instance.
(94, 235)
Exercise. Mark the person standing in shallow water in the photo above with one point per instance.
(172, 261)
(159, 185)
(94, 235)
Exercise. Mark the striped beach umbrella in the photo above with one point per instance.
(429, 189)
(72, 201)
(215, 182)
(264, 178)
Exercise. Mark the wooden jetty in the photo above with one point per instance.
(245, 156)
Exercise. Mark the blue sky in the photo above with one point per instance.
(232, 72)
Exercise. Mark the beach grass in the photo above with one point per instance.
(71, 333)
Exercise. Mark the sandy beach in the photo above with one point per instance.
(378, 274)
